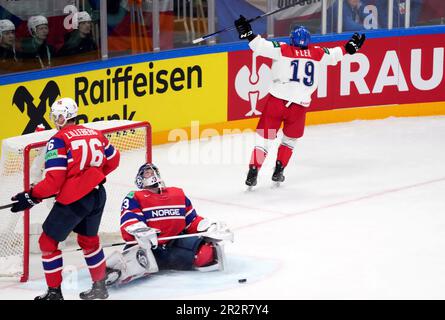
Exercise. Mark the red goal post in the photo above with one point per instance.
(21, 164)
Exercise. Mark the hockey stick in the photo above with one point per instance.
(226, 236)
(6, 206)
(198, 40)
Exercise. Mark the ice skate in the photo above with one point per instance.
(51, 294)
(277, 175)
(98, 291)
(252, 175)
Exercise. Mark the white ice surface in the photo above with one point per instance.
(361, 215)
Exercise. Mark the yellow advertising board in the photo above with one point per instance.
(168, 93)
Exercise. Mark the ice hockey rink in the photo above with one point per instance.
(361, 215)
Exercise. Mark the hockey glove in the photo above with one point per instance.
(244, 28)
(24, 201)
(355, 43)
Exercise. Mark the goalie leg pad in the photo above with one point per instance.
(144, 259)
(133, 263)
(115, 266)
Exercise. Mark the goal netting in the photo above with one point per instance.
(21, 164)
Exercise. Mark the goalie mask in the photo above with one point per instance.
(149, 177)
(63, 110)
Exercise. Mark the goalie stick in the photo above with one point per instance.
(210, 35)
(225, 236)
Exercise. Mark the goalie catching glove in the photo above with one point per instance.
(355, 43)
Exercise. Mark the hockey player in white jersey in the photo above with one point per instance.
(296, 71)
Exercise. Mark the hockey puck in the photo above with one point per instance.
(242, 280)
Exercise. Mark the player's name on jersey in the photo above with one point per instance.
(79, 132)
(303, 53)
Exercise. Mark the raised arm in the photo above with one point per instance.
(259, 45)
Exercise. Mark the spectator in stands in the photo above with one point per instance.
(79, 40)
(357, 15)
(353, 15)
(399, 12)
(36, 47)
(372, 14)
(7, 41)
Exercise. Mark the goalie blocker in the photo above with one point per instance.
(157, 210)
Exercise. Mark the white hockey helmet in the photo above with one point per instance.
(34, 22)
(148, 176)
(79, 17)
(63, 110)
(6, 25)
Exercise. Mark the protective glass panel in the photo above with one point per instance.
(426, 12)
(40, 34)
(306, 13)
(130, 26)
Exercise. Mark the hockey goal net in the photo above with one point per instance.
(21, 164)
